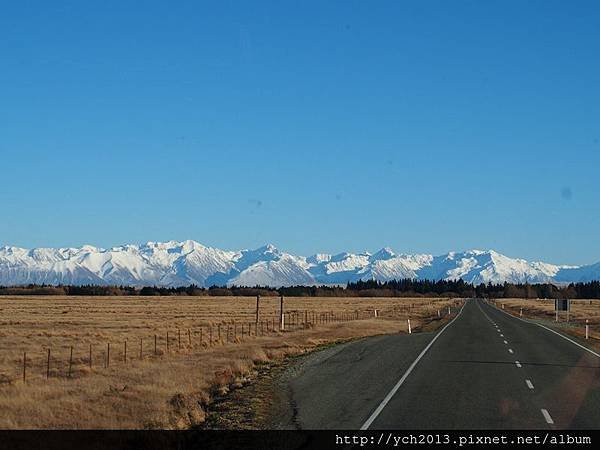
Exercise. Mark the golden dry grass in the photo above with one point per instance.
(581, 310)
(162, 389)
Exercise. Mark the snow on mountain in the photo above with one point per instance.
(182, 263)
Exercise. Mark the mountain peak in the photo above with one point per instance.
(383, 254)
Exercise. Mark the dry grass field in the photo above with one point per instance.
(213, 345)
(581, 310)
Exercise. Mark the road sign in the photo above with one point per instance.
(562, 304)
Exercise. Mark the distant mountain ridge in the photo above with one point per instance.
(188, 262)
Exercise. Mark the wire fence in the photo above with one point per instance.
(71, 361)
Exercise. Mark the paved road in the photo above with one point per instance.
(485, 370)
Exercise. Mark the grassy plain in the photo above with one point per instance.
(166, 387)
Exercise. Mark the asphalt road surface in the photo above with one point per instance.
(484, 370)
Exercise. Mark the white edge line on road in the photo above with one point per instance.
(529, 384)
(388, 397)
(506, 342)
(510, 350)
(552, 331)
(546, 415)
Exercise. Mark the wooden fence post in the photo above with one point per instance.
(90, 355)
(71, 362)
(125, 352)
(24, 367)
(167, 342)
(107, 355)
(257, 308)
(179, 339)
(155, 349)
(141, 354)
(189, 338)
(210, 335)
(48, 365)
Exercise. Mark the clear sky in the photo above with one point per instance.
(317, 126)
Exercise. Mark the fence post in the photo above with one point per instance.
(90, 355)
(141, 355)
(257, 308)
(155, 349)
(71, 362)
(167, 342)
(179, 339)
(219, 332)
(210, 335)
(125, 352)
(234, 332)
(24, 367)
(48, 365)
(201, 340)
(189, 338)
(107, 355)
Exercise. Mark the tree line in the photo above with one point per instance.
(368, 288)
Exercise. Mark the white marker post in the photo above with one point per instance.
(587, 329)
(409, 329)
(438, 313)
(521, 313)
(375, 312)
(448, 310)
(281, 315)
(502, 305)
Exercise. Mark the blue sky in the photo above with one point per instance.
(317, 126)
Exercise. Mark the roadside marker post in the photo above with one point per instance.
(587, 329)
(25, 367)
(521, 313)
(281, 315)
(409, 329)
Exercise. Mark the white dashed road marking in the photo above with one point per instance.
(547, 416)
(529, 384)
(506, 342)
(510, 350)
(518, 364)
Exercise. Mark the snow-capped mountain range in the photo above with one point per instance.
(183, 263)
